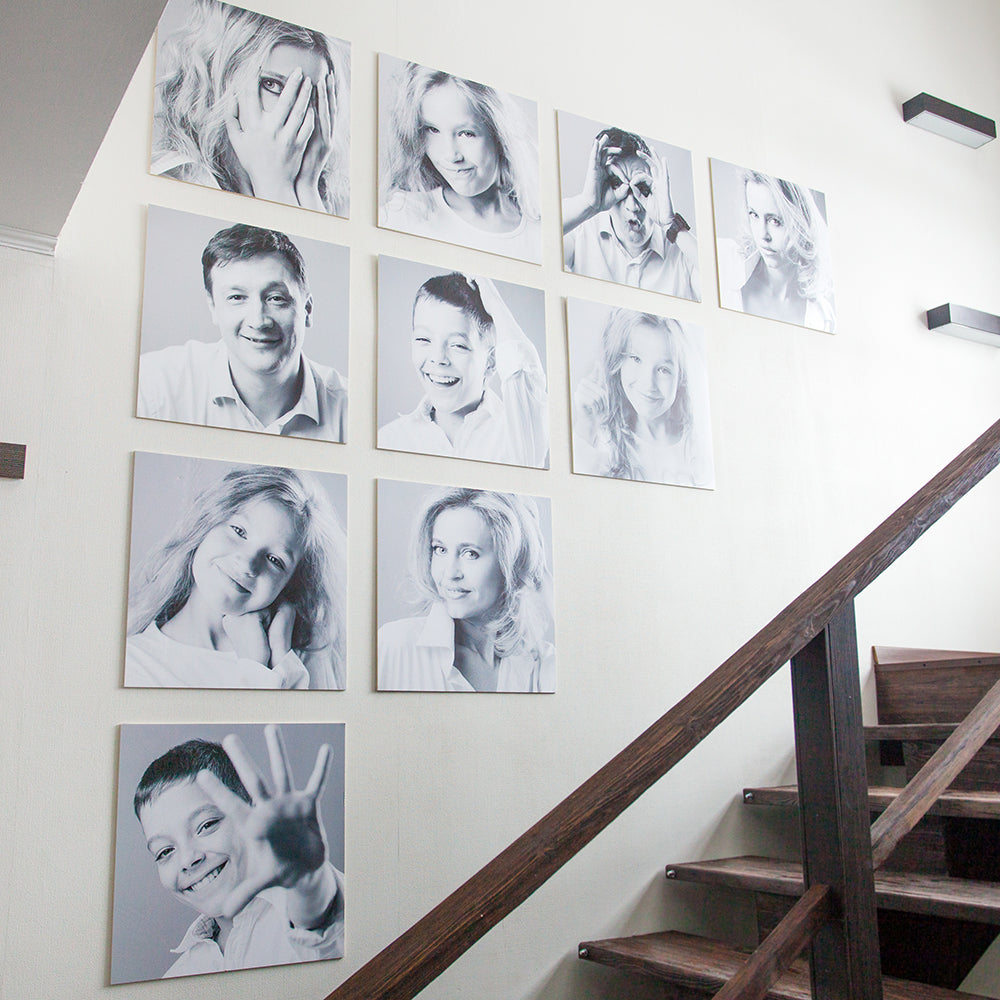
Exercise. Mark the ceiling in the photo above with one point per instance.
(63, 70)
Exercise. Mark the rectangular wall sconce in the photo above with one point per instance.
(949, 120)
(960, 321)
(12, 460)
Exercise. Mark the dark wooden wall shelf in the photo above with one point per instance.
(12, 460)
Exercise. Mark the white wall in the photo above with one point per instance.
(817, 438)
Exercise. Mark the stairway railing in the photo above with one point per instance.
(805, 632)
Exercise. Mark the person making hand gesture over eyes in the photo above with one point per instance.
(622, 226)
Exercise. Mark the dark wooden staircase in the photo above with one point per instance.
(836, 918)
(938, 891)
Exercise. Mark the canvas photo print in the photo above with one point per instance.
(464, 590)
(627, 208)
(773, 247)
(640, 408)
(458, 161)
(229, 848)
(237, 576)
(245, 102)
(461, 365)
(243, 327)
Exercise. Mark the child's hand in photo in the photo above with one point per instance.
(281, 829)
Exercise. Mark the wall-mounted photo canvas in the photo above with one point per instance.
(243, 327)
(773, 247)
(461, 365)
(237, 576)
(217, 865)
(247, 103)
(640, 406)
(627, 208)
(464, 590)
(458, 161)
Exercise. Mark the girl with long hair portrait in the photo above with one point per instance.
(459, 163)
(641, 412)
(247, 590)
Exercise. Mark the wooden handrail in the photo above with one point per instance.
(781, 947)
(923, 790)
(420, 954)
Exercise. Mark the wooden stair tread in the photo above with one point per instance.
(890, 657)
(931, 731)
(974, 805)
(910, 892)
(701, 964)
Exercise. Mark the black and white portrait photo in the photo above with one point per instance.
(237, 576)
(461, 365)
(247, 103)
(458, 161)
(627, 208)
(229, 848)
(773, 247)
(243, 327)
(464, 590)
(640, 396)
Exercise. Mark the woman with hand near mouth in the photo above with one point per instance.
(484, 389)
(478, 562)
(247, 591)
(460, 165)
(781, 268)
(635, 416)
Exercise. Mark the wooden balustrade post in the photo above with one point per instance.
(833, 797)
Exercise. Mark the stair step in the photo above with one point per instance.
(930, 685)
(916, 731)
(699, 964)
(936, 895)
(973, 805)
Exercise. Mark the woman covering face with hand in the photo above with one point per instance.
(459, 163)
(478, 564)
(251, 104)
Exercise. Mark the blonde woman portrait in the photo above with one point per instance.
(773, 247)
(247, 103)
(458, 161)
(472, 570)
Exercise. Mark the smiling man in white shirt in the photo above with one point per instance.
(256, 376)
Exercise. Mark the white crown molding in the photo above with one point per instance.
(23, 239)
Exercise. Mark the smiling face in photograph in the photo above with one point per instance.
(464, 564)
(278, 66)
(632, 186)
(767, 224)
(456, 142)
(450, 356)
(650, 374)
(243, 564)
(198, 855)
(262, 313)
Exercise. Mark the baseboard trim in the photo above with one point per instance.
(23, 239)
